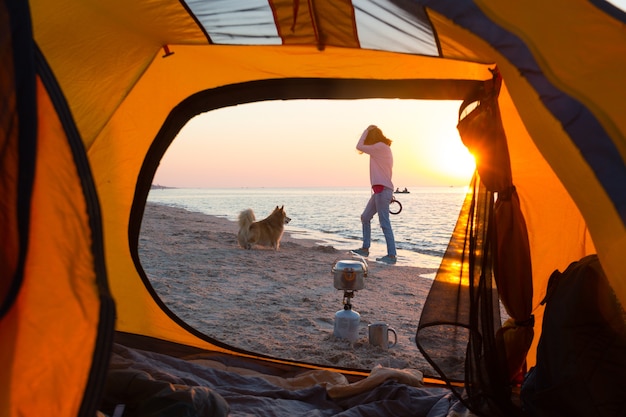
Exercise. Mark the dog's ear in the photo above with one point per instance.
(282, 208)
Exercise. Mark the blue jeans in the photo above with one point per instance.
(379, 203)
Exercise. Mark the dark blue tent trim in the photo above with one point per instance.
(610, 9)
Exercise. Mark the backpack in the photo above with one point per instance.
(581, 355)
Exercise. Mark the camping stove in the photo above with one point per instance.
(348, 276)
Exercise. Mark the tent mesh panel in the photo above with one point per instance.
(461, 315)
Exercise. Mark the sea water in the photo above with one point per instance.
(331, 215)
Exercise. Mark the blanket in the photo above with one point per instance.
(146, 383)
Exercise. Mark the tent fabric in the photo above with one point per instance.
(94, 93)
(481, 131)
(59, 324)
(17, 159)
(18, 144)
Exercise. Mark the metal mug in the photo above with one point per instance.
(379, 335)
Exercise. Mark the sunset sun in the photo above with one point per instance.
(457, 162)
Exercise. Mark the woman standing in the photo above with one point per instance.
(374, 143)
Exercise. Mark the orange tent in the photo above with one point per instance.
(94, 92)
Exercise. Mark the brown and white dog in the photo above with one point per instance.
(266, 232)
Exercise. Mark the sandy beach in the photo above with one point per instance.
(278, 303)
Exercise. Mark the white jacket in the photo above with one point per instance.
(381, 161)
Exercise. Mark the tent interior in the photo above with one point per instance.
(94, 93)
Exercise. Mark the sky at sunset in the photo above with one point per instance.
(311, 143)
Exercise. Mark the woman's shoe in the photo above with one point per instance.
(388, 259)
(361, 252)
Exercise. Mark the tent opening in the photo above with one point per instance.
(301, 154)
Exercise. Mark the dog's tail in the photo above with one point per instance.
(246, 218)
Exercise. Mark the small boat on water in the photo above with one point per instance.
(398, 191)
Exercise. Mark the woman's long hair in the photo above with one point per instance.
(376, 135)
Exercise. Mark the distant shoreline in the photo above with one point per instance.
(160, 187)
